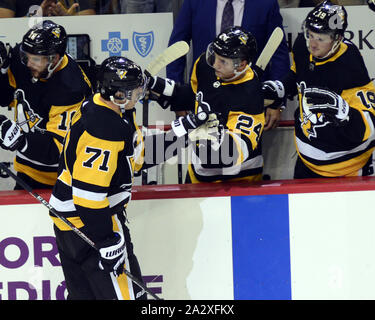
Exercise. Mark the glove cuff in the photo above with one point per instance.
(114, 250)
(181, 125)
(163, 86)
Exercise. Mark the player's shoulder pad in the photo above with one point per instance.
(352, 61)
(247, 97)
(71, 76)
(103, 123)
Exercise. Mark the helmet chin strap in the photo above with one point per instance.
(49, 71)
(122, 106)
(237, 73)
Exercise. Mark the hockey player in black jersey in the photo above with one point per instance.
(223, 78)
(46, 87)
(102, 150)
(335, 120)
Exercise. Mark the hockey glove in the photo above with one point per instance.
(211, 131)
(112, 254)
(327, 102)
(274, 92)
(371, 4)
(11, 136)
(4, 57)
(161, 90)
(183, 125)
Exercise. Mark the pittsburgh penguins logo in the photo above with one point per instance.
(56, 32)
(121, 73)
(26, 118)
(309, 121)
(243, 38)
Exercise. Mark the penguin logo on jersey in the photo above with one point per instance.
(309, 121)
(26, 118)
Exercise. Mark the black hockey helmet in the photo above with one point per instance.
(235, 43)
(119, 74)
(327, 18)
(46, 38)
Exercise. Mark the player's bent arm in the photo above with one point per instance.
(6, 13)
(361, 100)
(238, 142)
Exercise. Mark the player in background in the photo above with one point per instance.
(102, 149)
(334, 123)
(222, 78)
(46, 87)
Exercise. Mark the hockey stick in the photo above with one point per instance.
(70, 225)
(172, 53)
(268, 51)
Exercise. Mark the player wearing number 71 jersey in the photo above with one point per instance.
(223, 78)
(46, 87)
(335, 120)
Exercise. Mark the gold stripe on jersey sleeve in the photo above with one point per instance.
(193, 78)
(138, 162)
(190, 170)
(96, 160)
(358, 98)
(65, 177)
(293, 66)
(11, 79)
(85, 77)
(40, 176)
(345, 168)
(60, 118)
(76, 116)
(77, 222)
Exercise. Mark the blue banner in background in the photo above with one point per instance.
(261, 248)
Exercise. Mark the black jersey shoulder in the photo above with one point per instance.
(104, 123)
(70, 83)
(245, 96)
(355, 71)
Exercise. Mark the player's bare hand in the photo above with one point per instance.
(272, 119)
(57, 9)
(46, 7)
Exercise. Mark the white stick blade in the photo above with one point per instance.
(169, 55)
(270, 48)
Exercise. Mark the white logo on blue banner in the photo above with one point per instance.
(143, 42)
(115, 44)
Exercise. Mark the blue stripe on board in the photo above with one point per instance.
(261, 251)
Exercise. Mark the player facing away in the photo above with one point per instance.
(102, 149)
(223, 79)
(334, 123)
(46, 87)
